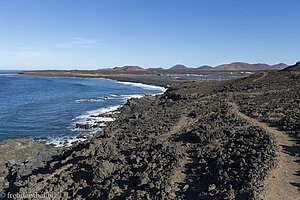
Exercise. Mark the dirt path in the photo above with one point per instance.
(263, 76)
(282, 182)
(179, 172)
(183, 122)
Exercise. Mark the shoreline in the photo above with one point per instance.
(138, 77)
(107, 114)
(38, 146)
(90, 130)
(198, 139)
(164, 83)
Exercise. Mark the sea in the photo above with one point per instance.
(196, 77)
(35, 107)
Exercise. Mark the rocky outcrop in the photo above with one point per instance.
(294, 68)
(18, 151)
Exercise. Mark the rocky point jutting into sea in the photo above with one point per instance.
(201, 139)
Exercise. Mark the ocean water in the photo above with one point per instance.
(50, 107)
(197, 77)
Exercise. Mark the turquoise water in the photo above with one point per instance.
(50, 107)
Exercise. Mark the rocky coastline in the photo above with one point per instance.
(201, 139)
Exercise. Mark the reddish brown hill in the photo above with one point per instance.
(178, 67)
(205, 67)
(279, 66)
(241, 66)
(236, 66)
(260, 66)
(130, 68)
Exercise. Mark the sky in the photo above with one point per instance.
(94, 34)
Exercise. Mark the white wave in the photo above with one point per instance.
(104, 110)
(8, 74)
(91, 117)
(94, 120)
(125, 97)
(88, 100)
(144, 86)
(131, 96)
(66, 141)
(86, 118)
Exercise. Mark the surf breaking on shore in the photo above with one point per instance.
(92, 121)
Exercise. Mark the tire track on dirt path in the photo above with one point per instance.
(281, 181)
(179, 172)
(259, 78)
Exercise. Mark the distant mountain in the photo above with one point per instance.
(178, 67)
(241, 66)
(235, 66)
(130, 68)
(205, 67)
(155, 69)
(260, 66)
(279, 66)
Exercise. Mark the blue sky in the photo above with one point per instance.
(92, 34)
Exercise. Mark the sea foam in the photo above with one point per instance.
(91, 117)
(145, 86)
